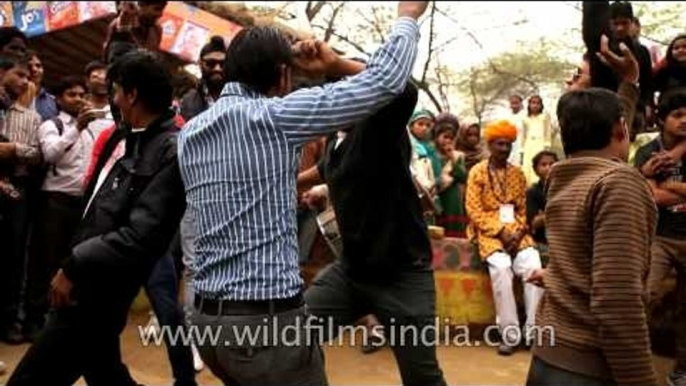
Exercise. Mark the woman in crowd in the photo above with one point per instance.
(469, 143)
(424, 164)
(453, 176)
(672, 72)
(537, 134)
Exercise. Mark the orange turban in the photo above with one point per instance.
(500, 130)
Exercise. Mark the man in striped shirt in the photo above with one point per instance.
(239, 161)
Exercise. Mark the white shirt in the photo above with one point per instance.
(518, 121)
(67, 155)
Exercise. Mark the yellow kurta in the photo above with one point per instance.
(483, 206)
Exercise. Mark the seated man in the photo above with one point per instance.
(496, 206)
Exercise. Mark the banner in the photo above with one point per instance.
(185, 29)
(39, 17)
(6, 16)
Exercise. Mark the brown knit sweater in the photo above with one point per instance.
(600, 220)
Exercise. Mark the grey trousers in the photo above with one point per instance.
(294, 359)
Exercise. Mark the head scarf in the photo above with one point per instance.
(419, 114)
(473, 153)
(500, 130)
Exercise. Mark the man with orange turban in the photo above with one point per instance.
(496, 206)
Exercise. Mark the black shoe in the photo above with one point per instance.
(31, 331)
(13, 335)
(506, 349)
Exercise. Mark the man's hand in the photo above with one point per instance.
(5, 100)
(626, 66)
(315, 198)
(413, 9)
(316, 58)
(85, 117)
(60, 290)
(657, 164)
(537, 277)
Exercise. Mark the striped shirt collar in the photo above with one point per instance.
(238, 89)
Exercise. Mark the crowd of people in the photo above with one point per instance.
(123, 177)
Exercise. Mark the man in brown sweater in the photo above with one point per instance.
(601, 221)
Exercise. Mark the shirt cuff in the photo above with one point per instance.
(406, 26)
(24, 151)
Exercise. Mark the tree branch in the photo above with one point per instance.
(329, 29)
(311, 10)
(431, 40)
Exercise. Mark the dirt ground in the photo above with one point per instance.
(344, 365)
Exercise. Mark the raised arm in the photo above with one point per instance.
(309, 113)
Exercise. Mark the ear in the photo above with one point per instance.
(620, 131)
(132, 97)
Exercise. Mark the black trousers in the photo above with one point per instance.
(409, 301)
(58, 217)
(15, 221)
(80, 340)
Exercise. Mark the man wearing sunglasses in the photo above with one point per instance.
(211, 63)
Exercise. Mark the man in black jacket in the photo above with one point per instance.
(135, 202)
(211, 62)
(385, 268)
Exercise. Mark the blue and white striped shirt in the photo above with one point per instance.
(239, 162)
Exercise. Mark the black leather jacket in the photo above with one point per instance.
(132, 218)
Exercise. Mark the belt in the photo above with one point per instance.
(246, 307)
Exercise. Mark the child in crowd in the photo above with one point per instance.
(469, 143)
(538, 132)
(424, 165)
(453, 176)
(535, 196)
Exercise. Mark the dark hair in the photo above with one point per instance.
(93, 66)
(539, 157)
(587, 118)
(33, 54)
(7, 34)
(68, 82)
(142, 3)
(444, 127)
(621, 9)
(182, 82)
(9, 62)
(517, 96)
(255, 57)
(216, 44)
(670, 101)
(670, 57)
(140, 70)
(528, 109)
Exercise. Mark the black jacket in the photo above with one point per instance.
(133, 217)
(194, 102)
(376, 203)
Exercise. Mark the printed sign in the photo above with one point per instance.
(171, 25)
(62, 14)
(6, 16)
(29, 17)
(190, 40)
(95, 9)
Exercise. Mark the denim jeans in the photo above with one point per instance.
(163, 292)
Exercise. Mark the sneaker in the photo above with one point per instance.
(3, 368)
(198, 364)
(677, 378)
(506, 349)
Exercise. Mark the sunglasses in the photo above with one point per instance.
(212, 63)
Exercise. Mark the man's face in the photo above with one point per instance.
(581, 79)
(421, 128)
(500, 149)
(621, 27)
(124, 102)
(515, 104)
(97, 84)
(212, 67)
(36, 70)
(72, 100)
(148, 14)
(543, 167)
(16, 81)
(675, 123)
(15, 48)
